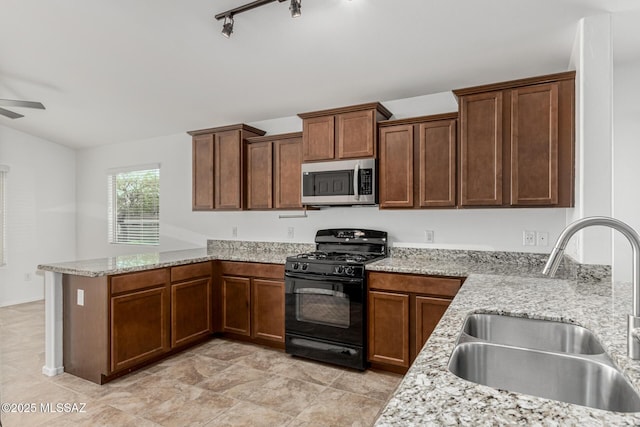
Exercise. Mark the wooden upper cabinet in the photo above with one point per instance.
(228, 170)
(288, 172)
(274, 171)
(534, 145)
(341, 133)
(517, 142)
(202, 172)
(218, 166)
(396, 166)
(318, 138)
(437, 159)
(259, 175)
(356, 134)
(481, 150)
(417, 166)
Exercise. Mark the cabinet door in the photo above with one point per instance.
(203, 182)
(356, 134)
(534, 145)
(428, 312)
(396, 167)
(259, 175)
(437, 160)
(318, 138)
(288, 173)
(236, 313)
(139, 327)
(389, 328)
(228, 170)
(481, 149)
(190, 311)
(267, 300)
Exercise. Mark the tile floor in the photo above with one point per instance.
(219, 383)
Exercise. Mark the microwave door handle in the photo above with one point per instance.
(356, 184)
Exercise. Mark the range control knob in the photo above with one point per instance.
(305, 266)
(339, 269)
(349, 271)
(296, 265)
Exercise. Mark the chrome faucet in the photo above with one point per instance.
(555, 258)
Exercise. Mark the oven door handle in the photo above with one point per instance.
(322, 278)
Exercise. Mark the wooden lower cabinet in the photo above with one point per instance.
(190, 311)
(252, 296)
(428, 312)
(139, 327)
(403, 311)
(389, 328)
(267, 309)
(236, 300)
(126, 321)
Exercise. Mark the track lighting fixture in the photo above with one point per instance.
(295, 8)
(227, 27)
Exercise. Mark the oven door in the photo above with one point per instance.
(326, 308)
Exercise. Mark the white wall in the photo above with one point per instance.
(593, 60)
(626, 174)
(40, 212)
(489, 229)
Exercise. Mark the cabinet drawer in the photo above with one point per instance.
(190, 271)
(132, 281)
(441, 286)
(252, 269)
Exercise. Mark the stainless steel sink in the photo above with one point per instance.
(541, 358)
(532, 333)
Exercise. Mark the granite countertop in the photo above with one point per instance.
(268, 253)
(431, 395)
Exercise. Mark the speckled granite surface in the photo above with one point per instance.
(462, 263)
(431, 395)
(270, 253)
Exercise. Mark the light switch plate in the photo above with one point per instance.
(80, 298)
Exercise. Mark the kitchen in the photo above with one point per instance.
(58, 198)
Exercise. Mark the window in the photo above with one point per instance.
(3, 248)
(134, 205)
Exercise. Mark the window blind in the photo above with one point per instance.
(134, 205)
(3, 247)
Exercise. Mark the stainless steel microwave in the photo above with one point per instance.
(342, 182)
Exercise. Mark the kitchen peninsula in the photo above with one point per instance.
(497, 282)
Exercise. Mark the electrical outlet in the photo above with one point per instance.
(428, 236)
(528, 238)
(290, 232)
(80, 297)
(234, 231)
(542, 238)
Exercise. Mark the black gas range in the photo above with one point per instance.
(326, 296)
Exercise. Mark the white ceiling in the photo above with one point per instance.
(113, 71)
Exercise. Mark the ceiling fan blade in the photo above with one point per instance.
(10, 114)
(26, 104)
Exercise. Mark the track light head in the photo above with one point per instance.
(227, 27)
(295, 7)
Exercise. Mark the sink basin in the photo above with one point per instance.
(532, 333)
(548, 359)
(562, 377)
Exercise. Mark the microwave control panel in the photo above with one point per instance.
(366, 181)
